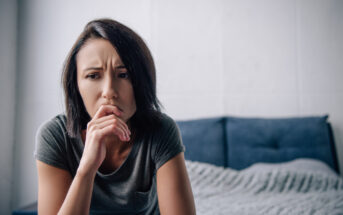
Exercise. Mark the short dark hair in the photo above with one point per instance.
(138, 60)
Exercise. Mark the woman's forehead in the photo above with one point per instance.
(97, 53)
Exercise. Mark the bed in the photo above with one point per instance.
(263, 166)
(260, 166)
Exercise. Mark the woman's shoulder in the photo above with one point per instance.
(167, 122)
(166, 127)
(52, 142)
(167, 141)
(56, 126)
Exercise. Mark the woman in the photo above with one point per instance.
(113, 150)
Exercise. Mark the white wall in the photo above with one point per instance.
(8, 26)
(214, 57)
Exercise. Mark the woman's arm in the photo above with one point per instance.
(174, 189)
(79, 196)
(53, 185)
(58, 191)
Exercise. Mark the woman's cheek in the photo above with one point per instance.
(91, 110)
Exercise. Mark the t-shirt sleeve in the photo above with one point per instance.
(169, 142)
(50, 146)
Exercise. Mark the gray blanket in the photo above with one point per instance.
(302, 186)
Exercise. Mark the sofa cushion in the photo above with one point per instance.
(252, 140)
(204, 140)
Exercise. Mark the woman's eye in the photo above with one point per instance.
(123, 75)
(93, 76)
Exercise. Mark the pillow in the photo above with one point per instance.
(253, 140)
(204, 140)
(297, 165)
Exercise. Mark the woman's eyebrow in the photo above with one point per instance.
(100, 68)
(120, 67)
(92, 68)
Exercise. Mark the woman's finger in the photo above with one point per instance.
(117, 130)
(105, 110)
(112, 117)
(103, 119)
(116, 123)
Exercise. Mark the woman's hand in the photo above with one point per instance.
(105, 123)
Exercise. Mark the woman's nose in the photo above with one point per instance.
(109, 91)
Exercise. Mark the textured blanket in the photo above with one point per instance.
(299, 187)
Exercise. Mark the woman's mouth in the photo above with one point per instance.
(118, 108)
(121, 110)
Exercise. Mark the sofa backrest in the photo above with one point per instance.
(240, 142)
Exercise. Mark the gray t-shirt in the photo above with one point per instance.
(130, 189)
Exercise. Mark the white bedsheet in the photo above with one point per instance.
(303, 186)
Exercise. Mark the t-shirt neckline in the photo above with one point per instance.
(119, 169)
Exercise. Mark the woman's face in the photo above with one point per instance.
(103, 79)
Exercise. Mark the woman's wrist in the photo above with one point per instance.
(84, 172)
(78, 198)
